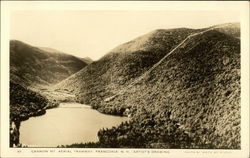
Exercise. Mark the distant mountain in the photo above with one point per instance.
(87, 60)
(32, 66)
(50, 50)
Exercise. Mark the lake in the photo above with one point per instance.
(67, 124)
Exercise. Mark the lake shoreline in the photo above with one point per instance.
(73, 105)
(16, 122)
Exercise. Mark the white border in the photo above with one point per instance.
(7, 7)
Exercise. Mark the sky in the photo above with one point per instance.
(94, 33)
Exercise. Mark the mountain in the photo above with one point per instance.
(50, 50)
(117, 69)
(87, 60)
(33, 66)
(191, 99)
(180, 90)
(122, 65)
(102, 79)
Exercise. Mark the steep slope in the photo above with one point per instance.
(122, 65)
(191, 99)
(32, 66)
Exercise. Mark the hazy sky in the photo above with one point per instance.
(94, 33)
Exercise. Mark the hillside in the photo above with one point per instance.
(190, 100)
(121, 66)
(33, 67)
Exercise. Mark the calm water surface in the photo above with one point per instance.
(69, 123)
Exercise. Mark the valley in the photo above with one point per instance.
(180, 88)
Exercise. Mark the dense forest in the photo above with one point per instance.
(25, 103)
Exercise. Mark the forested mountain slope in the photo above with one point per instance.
(190, 100)
(106, 77)
(118, 68)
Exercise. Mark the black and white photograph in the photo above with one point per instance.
(125, 79)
